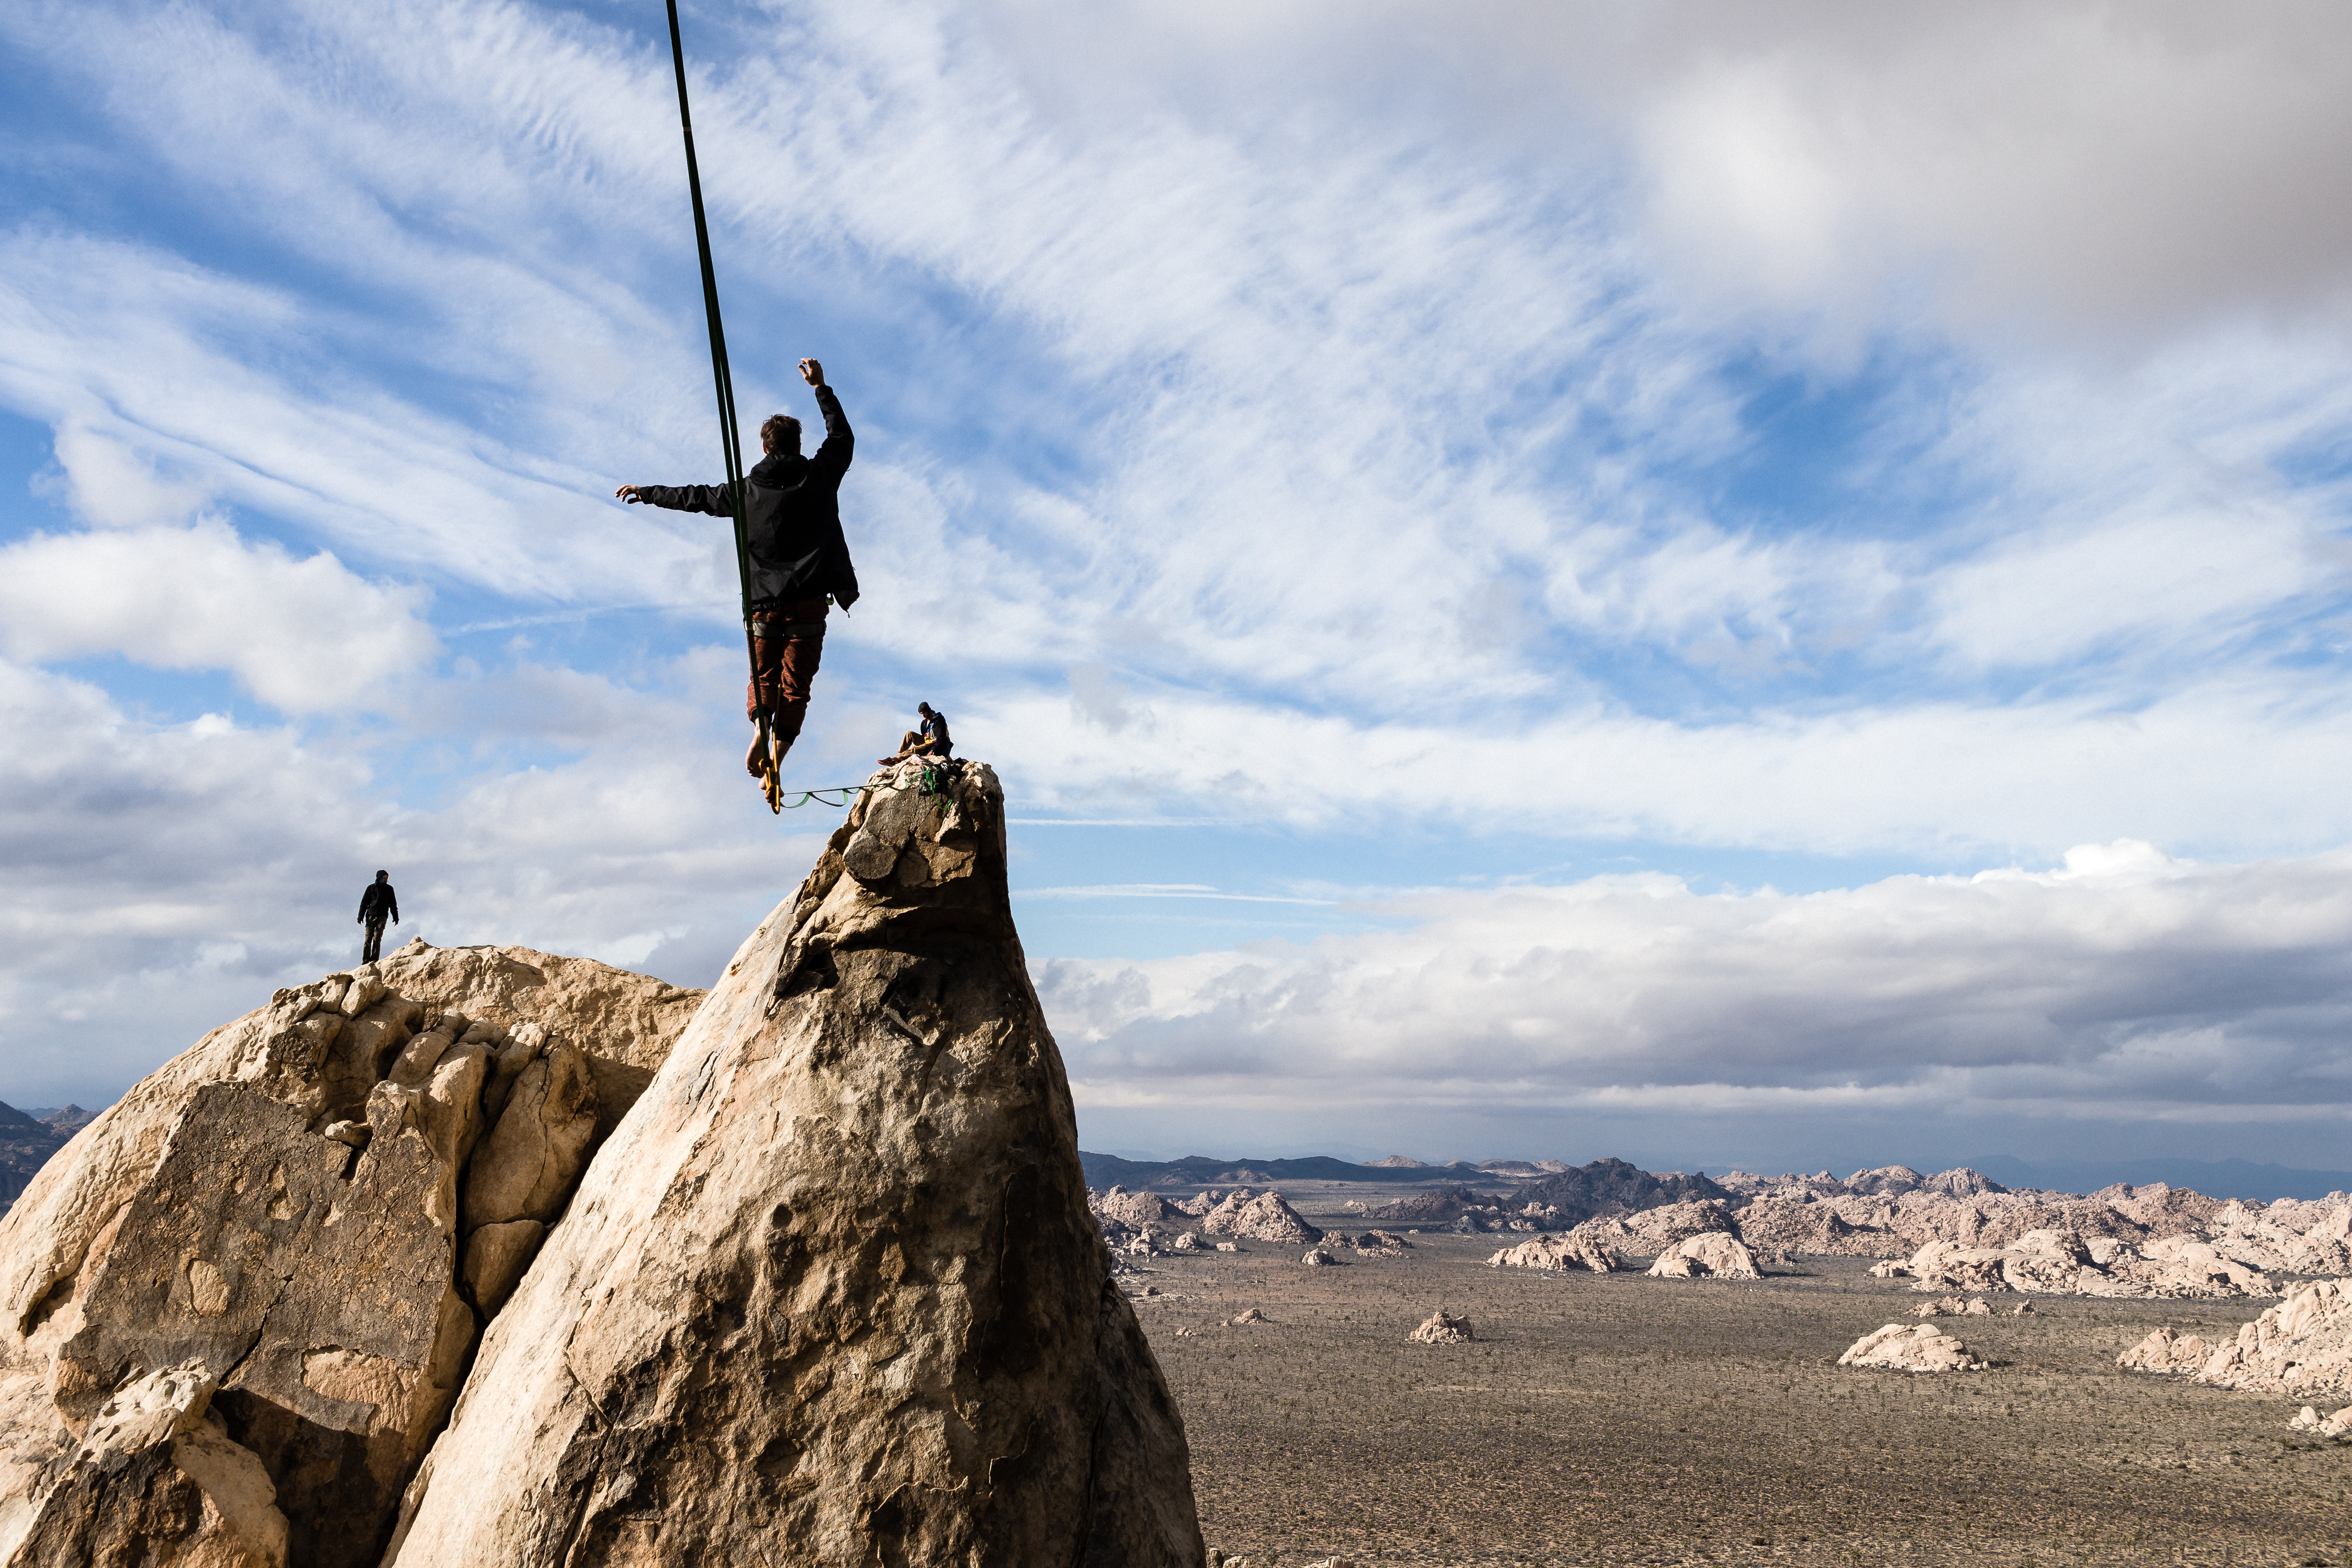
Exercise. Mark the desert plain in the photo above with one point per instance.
(1614, 1418)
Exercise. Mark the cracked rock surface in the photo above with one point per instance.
(831, 1293)
(277, 1216)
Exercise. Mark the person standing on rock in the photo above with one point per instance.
(798, 562)
(378, 904)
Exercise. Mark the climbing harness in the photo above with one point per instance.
(729, 439)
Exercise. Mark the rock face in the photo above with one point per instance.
(2303, 1345)
(1899, 1347)
(280, 1211)
(155, 1480)
(1443, 1328)
(831, 1294)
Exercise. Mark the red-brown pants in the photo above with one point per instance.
(784, 666)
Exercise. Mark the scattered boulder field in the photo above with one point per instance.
(1955, 1232)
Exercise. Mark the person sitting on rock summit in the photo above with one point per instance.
(799, 561)
(930, 741)
(378, 903)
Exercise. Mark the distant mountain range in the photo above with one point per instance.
(1200, 1170)
(27, 1138)
(2215, 1178)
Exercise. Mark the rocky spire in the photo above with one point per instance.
(831, 1293)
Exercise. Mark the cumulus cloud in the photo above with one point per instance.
(2122, 984)
(305, 635)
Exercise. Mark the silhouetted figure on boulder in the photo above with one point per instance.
(378, 904)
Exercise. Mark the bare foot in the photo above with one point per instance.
(754, 759)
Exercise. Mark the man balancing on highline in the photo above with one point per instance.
(799, 561)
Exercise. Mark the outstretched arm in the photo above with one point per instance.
(711, 499)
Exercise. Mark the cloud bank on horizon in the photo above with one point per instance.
(1588, 572)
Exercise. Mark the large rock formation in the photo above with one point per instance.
(2056, 1262)
(1958, 1230)
(1899, 1347)
(831, 1293)
(285, 1212)
(2303, 1345)
(1265, 1217)
(1443, 1328)
(1560, 1253)
(1709, 1253)
(1608, 1187)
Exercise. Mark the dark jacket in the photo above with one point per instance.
(380, 901)
(792, 516)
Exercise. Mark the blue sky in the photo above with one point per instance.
(1756, 588)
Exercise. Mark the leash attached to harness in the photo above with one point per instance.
(729, 439)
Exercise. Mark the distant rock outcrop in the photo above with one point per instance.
(2309, 1420)
(1802, 1226)
(832, 1293)
(1901, 1347)
(2303, 1345)
(1661, 1229)
(1715, 1253)
(1613, 1186)
(308, 1214)
(1443, 1328)
(1264, 1216)
(1434, 1206)
(1562, 1254)
(2054, 1262)
(1135, 1208)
